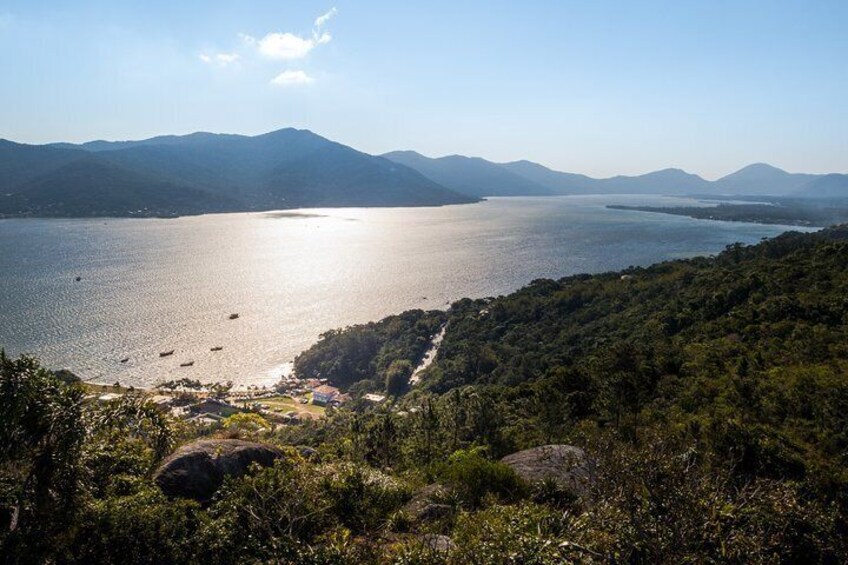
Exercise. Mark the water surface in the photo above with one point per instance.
(151, 285)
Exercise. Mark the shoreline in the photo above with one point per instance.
(808, 216)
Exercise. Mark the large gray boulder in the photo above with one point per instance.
(197, 470)
(567, 465)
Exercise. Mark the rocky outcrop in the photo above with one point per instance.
(424, 506)
(198, 469)
(438, 543)
(569, 466)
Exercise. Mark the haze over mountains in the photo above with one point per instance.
(289, 168)
(475, 176)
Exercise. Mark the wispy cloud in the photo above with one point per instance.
(289, 78)
(220, 59)
(324, 18)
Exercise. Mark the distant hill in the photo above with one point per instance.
(560, 183)
(204, 172)
(471, 175)
(761, 179)
(478, 177)
(832, 186)
(666, 181)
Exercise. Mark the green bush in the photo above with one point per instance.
(473, 478)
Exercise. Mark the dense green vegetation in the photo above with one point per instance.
(372, 356)
(711, 392)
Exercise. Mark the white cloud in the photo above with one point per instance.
(220, 59)
(324, 18)
(288, 78)
(285, 46)
(288, 46)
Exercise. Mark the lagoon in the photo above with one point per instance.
(150, 285)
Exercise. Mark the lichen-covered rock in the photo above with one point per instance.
(569, 466)
(197, 470)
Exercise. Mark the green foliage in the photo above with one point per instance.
(397, 376)
(249, 424)
(362, 498)
(41, 436)
(365, 352)
(473, 478)
(141, 527)
(272, 513)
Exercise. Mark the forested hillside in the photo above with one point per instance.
(710, 396)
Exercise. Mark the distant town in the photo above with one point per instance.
(291, 401)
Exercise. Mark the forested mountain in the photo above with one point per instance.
(204, 172)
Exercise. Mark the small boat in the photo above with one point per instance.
(125, 359)
(217, 348)
(233, 316)
(166, 353)
(187, 364)
(78, 279)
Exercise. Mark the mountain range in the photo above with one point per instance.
(481, 178)
(290, 168)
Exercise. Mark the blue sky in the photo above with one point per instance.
(600, 87)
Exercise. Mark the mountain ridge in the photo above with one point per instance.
(205, 172)
(293, 168)
(757, 179)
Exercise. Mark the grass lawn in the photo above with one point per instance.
(286, 404)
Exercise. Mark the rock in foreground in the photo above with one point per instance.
(569, 466)
(197, 470)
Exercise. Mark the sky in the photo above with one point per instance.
(599, 87)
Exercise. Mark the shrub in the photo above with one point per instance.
(474, 477)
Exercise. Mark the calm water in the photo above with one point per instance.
(154, 285)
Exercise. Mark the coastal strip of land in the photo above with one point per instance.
(778, 211)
